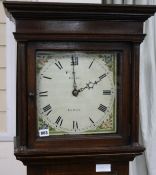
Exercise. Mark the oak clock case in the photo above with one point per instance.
(77, 86)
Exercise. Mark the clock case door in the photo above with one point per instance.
(91, 143)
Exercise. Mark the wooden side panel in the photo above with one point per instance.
(21, 128)
(135, 93)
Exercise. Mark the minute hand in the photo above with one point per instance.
(90, 85)
(74, 83)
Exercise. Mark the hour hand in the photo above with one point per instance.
(90, 85)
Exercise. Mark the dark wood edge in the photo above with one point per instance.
(41, 157)
(98, 158)
(21, 107)
(135, 92)
(78, 37)
(43, 10)
(109, 150)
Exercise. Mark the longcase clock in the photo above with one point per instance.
(77, 86)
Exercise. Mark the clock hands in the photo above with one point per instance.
(74, 83)
(90, 85)
(75, 92)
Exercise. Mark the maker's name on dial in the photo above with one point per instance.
(73, 110)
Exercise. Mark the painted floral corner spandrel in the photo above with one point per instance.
(41, 60)
(43, 125)
(110, 122)
(109, 60)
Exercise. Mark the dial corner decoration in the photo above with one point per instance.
(76, 92)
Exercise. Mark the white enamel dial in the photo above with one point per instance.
(76, 91)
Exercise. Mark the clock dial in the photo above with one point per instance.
(76, 92)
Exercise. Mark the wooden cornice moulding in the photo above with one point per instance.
(138, 38)
(45, 10)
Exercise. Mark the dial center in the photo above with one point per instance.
(75, 92)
